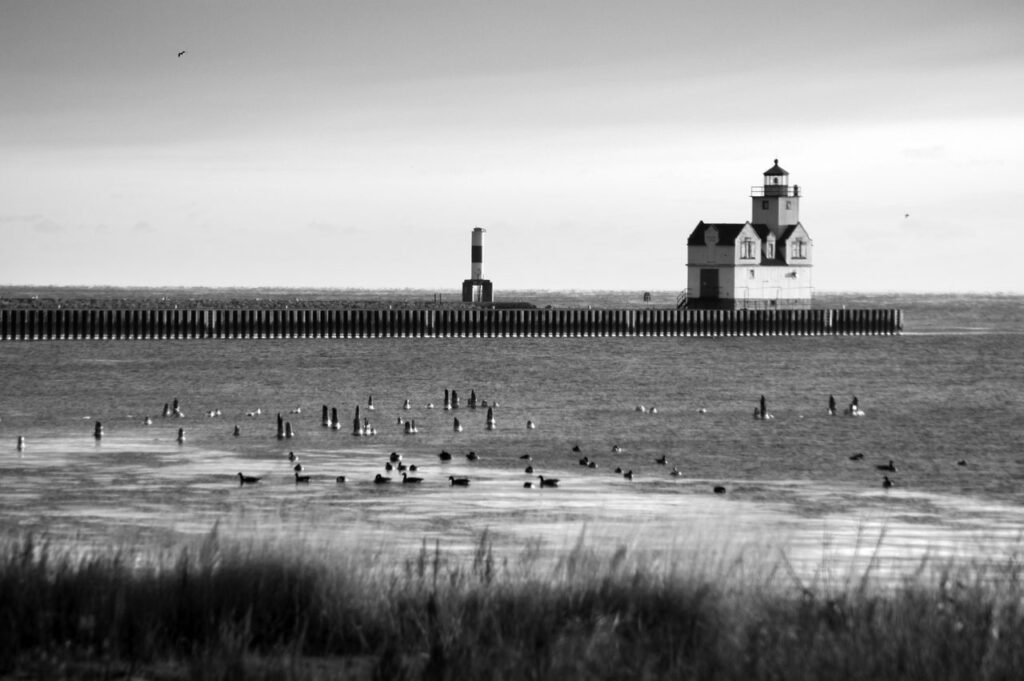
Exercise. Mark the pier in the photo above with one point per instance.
(159, 324)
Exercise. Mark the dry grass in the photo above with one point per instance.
(224, 610)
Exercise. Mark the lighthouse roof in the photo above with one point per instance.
(776, 170)
(727, 232)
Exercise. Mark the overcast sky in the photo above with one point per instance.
(352, 143)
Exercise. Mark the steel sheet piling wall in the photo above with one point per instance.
(62, 324)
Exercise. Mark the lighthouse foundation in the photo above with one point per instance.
(477, 291)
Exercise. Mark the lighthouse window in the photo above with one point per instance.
(770, 251)
(764, 205)
(747, 249)
(800, 249)
(789, 204)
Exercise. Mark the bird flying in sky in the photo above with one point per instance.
(181, 53)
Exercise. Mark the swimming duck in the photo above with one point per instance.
(340, 479)
(529, 469)
(857, 457)
(663, 460)
(628, 475)
(395, 457)
(445, 456)
(891, 467)
(473, 456)
(380, 479)
(458, 482)
(247, 479)
(886, 482)
(406, 480)
(548, 482)
(718, 489)
(301, 479)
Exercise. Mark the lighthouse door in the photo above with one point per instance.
(709, 283)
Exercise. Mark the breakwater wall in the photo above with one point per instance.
(69, 324)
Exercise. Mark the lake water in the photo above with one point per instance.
(950, 389)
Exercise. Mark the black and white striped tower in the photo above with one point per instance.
(476, 289)
(477, 255)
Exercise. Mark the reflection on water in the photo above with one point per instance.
(154, 491)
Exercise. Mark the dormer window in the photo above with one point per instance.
(799, 249)
(747, 249)
(769, 251)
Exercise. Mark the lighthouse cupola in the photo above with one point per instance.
(775, 204)
(776, 181)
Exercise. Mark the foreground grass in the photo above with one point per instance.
(222, 611)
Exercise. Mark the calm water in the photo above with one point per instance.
(949, 389)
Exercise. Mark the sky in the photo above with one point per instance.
(357, 143)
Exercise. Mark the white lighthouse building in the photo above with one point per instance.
(764, 263)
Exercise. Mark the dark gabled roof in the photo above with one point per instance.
(727, 232)
(775, 170)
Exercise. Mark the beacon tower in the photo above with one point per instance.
(476, 289)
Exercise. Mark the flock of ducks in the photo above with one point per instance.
(394, 463)
(362, 427)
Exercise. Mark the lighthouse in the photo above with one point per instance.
(476, 289)
(764, 263)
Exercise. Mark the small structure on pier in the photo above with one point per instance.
(476, 289)
(764, 263)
